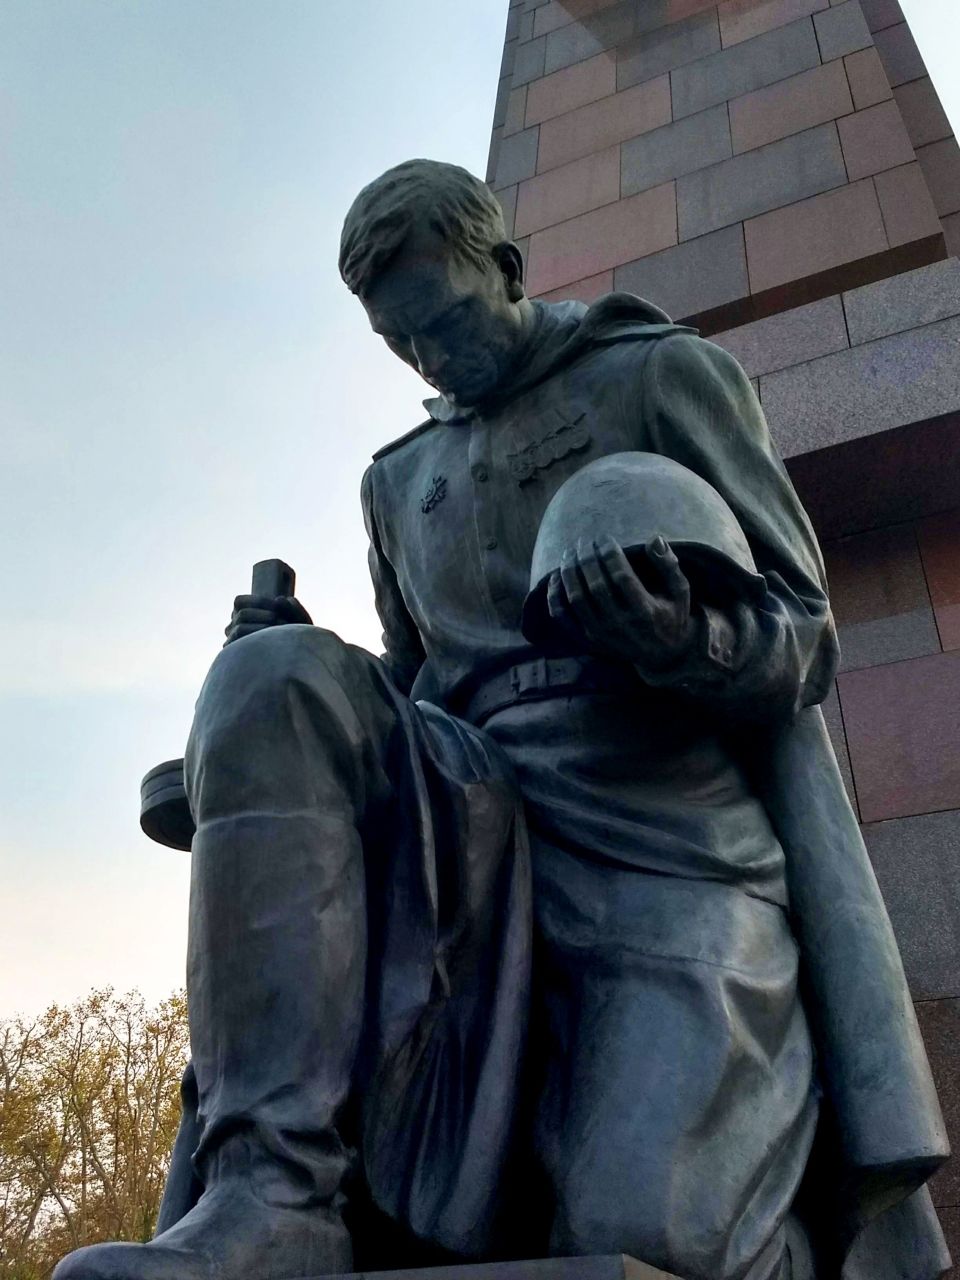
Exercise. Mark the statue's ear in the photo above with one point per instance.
(510, 261)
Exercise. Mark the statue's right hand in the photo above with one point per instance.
(253, 613)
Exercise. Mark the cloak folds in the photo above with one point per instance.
(882, 1133)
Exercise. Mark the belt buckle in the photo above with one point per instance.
(530, 678)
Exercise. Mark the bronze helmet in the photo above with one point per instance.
(632, 497)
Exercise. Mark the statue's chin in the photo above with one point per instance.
(476, 386)
(460, 396)
(471, 393)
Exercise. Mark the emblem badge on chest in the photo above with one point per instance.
(570, 437)
(436, 492)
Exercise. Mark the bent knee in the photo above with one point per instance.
(259, 667)
(275, 650)
(261, 687)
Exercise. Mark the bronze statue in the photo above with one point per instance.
(496, 937)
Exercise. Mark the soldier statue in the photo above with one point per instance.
(549, 932)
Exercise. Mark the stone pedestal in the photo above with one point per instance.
(614, 1266)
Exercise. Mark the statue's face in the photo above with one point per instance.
(457, 325)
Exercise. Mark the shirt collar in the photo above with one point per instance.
(562, 330)
(553, 327)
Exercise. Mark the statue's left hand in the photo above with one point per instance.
(597, 593)
(254, 613)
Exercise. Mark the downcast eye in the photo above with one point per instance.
(446, 322)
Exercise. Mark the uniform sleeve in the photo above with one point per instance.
(758, 661)
(403, 649)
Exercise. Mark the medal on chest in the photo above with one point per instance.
(558, 441)
(435, 494)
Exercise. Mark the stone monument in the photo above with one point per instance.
(550, 932)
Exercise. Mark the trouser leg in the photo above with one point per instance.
(678, 1104)
(182, 1189)
(285, 769)
(284, 766)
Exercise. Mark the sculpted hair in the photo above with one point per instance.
(458, 206)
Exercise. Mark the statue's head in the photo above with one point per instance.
(425, 250)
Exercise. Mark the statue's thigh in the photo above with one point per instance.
(292, 714)
(677, 1107)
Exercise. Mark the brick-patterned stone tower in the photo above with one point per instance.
(781, 174)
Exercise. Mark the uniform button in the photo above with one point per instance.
(481, 474)
(491, 544)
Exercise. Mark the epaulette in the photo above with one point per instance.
(402, 440)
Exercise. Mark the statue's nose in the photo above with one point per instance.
(431, 358)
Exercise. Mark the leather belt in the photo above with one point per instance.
(546, 678)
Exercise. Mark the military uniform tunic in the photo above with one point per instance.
(453, 514)
(674, 1084)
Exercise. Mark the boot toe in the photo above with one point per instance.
(127, 1262)
(98, 1262)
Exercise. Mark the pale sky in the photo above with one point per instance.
(186, 387)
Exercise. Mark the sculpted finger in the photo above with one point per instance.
(238, 632)
(262, 617)
(574, 587)
(617, 568)
(252, 602)
(561, 613)
(624, 579)
(595, 582)
(556, 598)
(570, 578)
(665, 561)
(289, 609)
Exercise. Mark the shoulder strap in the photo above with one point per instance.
(404, 439)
